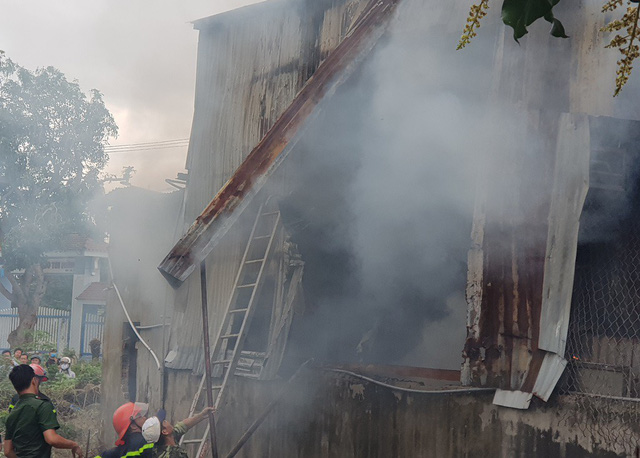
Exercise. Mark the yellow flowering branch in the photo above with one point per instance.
(626, 44)
(477, 12)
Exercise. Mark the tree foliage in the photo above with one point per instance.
(52, 138)
(520, 14)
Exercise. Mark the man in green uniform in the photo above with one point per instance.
(31, 426)
(40, 376)
(157, 429)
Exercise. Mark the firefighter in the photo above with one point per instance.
(167, 437)
(31, 426)
(127, 421)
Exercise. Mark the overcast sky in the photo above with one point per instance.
(141, 54)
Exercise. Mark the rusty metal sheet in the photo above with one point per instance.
(527, 356)
(236, 194)
(506, 261)
(570, 186)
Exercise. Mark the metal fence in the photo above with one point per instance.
(52, 328)
(603, 346)
(92, 328)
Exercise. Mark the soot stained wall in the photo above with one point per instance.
(333, 415)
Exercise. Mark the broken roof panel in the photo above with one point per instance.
(520, 290)
(265, 158)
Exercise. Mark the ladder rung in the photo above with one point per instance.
(191, 441)
(238, 310)
(253, 261)
(270, 213)
(250, 285)
(224, 361)
(261, 237)
(229, 336)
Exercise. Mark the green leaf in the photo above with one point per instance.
(557, 29)
(520, 14)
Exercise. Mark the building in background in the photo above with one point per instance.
(72, 311)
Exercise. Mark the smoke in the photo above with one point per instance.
(387, 180)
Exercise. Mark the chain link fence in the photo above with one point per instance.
(602, 378)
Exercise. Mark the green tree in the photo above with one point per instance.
(52, 138)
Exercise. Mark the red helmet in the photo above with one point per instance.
(39, 371)
(124, 416)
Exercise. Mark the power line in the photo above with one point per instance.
(160, 142)
(139, 148)
(134, 150)
(148, 146)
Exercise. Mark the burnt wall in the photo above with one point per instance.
(325, 414)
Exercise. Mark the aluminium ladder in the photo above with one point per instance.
(233, 332)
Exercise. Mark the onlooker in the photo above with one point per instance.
(31, 426)
(24, 359)
(6, 362)
(65, 367)
(35, 359)
(52, 361)
(157, 429)
(17, 353)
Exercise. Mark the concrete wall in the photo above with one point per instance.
(141, 225)
(325, 414)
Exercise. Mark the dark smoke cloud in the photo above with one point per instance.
(383, 211)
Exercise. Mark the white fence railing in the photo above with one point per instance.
(52, 328)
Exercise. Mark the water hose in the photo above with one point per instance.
(133, 327)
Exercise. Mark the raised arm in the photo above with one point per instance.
(57, 441)
(197, 418)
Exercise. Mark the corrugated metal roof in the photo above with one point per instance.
(265, 158)
(186, 358)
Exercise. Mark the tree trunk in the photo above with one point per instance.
(26, 295)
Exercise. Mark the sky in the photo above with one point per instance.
(141, 54)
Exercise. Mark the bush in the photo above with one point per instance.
(88, 373)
